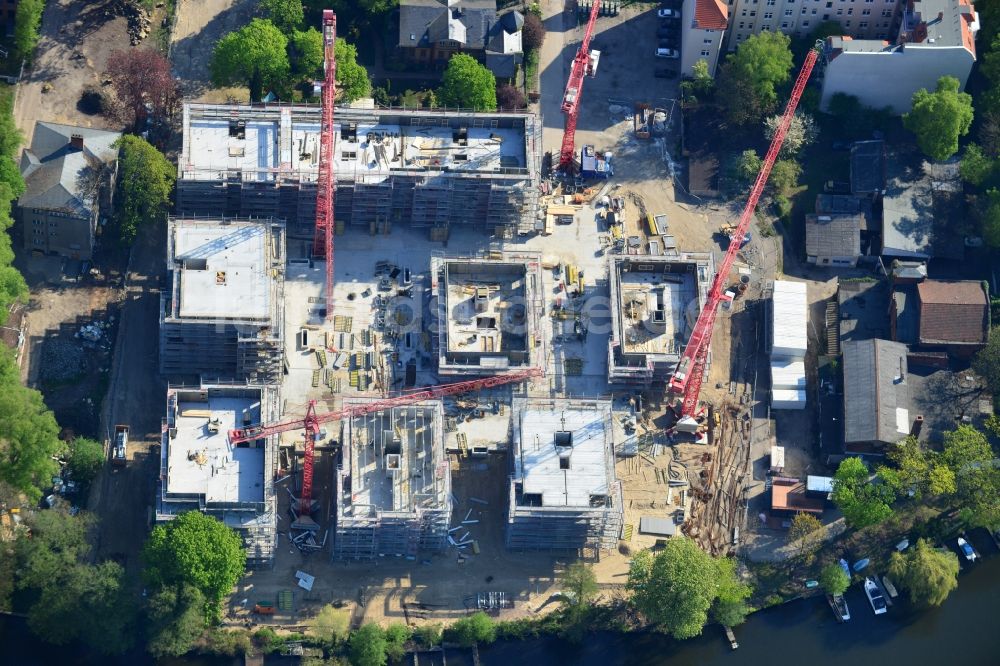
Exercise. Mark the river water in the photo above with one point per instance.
(965, 631)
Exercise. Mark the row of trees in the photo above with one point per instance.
(274, 53)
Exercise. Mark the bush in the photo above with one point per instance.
(477, 628)
(509, 97)
(396, 636)
(532, 33)
(86, 456)
(330, 625)
(27, 20)
(428, 635)
(227, 642)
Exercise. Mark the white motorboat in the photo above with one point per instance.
(874, 595)
(967, 550)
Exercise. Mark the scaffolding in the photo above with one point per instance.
(194, 439)
(394, 166)
(654, 302)
(223, 313)
(563, 492)
(394, 497)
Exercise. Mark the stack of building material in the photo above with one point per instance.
(789, 335)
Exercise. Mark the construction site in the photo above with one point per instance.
(484, 373)
(432, 169)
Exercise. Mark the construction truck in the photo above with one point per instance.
(119, 446)
(594, 164)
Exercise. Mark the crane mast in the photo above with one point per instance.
(690, 370)
(323, 238)
(574, 88)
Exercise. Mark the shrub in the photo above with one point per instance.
(477, 628)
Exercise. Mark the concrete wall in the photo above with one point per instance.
(889, 78)
(59, 233)
(698, 44)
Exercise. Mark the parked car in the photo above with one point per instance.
(667, 53)
(668, 13)
(664, 73)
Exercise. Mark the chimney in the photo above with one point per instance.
(918, 424)
(76, 141)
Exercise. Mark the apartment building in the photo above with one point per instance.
(860, 19)
(704, 25)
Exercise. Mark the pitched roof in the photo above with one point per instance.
(426, 22)
(876, 396)
(953, 311)
(711, 14)
(55, 172)
(833, 235)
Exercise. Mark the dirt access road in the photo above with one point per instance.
(200, 24)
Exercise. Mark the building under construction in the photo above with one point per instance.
(394, 486)
(488, 313)
(422, 168)
(201, 471)
(564, 494)
(221, 316)
(655, 301)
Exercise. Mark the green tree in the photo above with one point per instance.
(145, 182)
(468, 84)
(27, 21)
(833, 579)
(928, 573)
(73, 600)
(987, 361)
(748, 164)
(29, 435)
(581, 584)
(476, 628)
(991, 235)
(730, 608)
(305, 53)
(352, 78)
(331, 624)
(254, 56)
(396, 635)
(175, 618)
(976, 165)
(86, 457)
(784, 176)
(805, 533)
(428, 635)
(862, 501)
(367, 646)
(287, 15)
(940, 118)
(917, 470)
(748, 80)
(968, 454)
(676, 587)
(196, 549)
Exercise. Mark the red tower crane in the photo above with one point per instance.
(574, 88)
(691, 368)
(323, 238)
(312, 421)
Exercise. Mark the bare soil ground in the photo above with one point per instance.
(199, 25)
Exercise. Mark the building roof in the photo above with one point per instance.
(845, 204)
(834, 235)
(876, 395)
(565, 453)
(917, 210)
(939, 24)
(790, 495)
(953, 311)
(711, 15)
(58, 176)
(468, 22)
(224, 269)
(868, 167)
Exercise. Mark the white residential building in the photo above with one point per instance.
(936, 38)
(704, 25)
(861, 19)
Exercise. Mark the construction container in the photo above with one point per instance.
(788, 399)
(789, 321)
